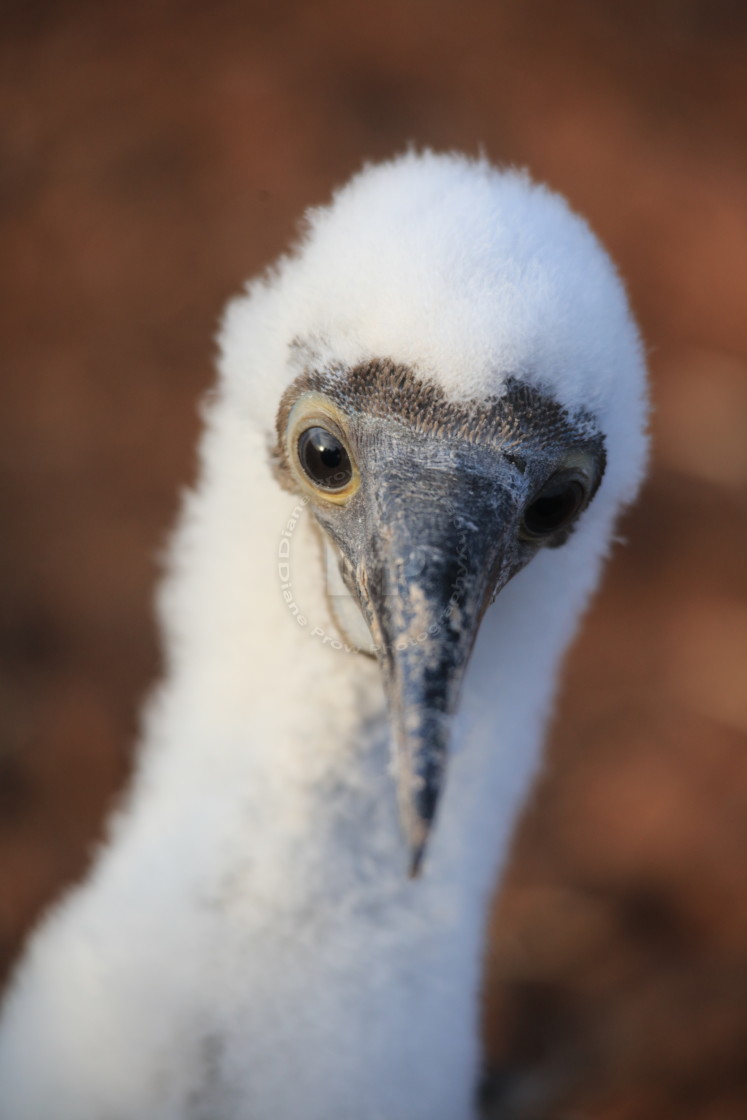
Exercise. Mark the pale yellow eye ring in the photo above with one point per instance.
(313, 410)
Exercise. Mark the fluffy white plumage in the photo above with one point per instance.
(248, 946)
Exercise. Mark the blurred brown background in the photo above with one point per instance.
(154, 154)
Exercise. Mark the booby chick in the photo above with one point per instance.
(427, 419)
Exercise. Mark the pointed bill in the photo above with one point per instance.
(435, 556)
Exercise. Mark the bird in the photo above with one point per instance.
(428, 416)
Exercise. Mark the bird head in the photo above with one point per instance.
(431, 507)
(461, 384)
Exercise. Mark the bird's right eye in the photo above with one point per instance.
(554, 508)
(324, 459)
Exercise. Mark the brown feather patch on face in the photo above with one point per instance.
(522, 418)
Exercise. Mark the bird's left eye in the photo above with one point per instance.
(555, 507)
(325, 459)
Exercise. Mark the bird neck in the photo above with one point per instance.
(258, 865)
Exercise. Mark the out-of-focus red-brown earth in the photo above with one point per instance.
(154, 154)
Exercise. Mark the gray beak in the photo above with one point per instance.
(439, 545)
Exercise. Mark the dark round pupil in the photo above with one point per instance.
(324, 459)
(556, 505)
